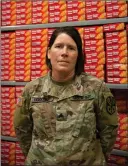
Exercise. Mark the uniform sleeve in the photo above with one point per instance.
(23, 122)
(107, 119)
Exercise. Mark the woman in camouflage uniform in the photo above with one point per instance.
(67, 117)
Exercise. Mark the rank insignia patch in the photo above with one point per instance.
(110, 105)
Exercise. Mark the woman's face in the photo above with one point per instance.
(63, 54)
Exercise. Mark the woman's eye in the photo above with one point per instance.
(71, 48)
(58, 46)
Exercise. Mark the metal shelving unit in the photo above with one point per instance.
(74, 23)
(8, 138)
(54, 25)
(117, 86)
(14, 83)
(119, 152)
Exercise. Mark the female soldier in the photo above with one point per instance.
(67, 117)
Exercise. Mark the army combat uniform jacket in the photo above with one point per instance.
(72, 123)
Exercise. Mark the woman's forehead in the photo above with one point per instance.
(64, 37)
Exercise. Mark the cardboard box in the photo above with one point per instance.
(118, 60)
(113, 27)
(117, 73)
(117, 80)
(116, 66)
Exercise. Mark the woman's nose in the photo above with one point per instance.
(65, 51)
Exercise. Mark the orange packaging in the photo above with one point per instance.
(8, 92)
(117, 53)
(123, 126)
(123, 133)
(115, 2)
(93, 42)
(93, 35)
(118, 160)
(116, 7)
(117, 46)
(95, 10)
(115, 59)
(18, 90)
(81, 10)
(95, 61)
(123, 118)
(28, 12)
(113, 27)
(93, 29)
(95, 16)
(13, 12)
(94, 54)
(121, 146)
(122, 140)
(97, 49)
(98, 74)
(117, 73)
(116, 34)
(93, 67)
(117, 80)
(94, 3)
(62, 8)
(116, 40)
(115, 13)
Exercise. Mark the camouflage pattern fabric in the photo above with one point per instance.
(72, 123)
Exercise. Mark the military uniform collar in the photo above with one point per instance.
(50, 88)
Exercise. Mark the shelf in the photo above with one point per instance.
(111, 86)
(13, 83)
(119, 152)
(117, 86)
(8, 138)
(74, 23)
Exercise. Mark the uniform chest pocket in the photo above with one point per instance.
(85, 123)
(44, 119)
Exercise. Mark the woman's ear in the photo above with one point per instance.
(49, 55)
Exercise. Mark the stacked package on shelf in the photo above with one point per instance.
(50, 31)
(122, 138)
(57, 11)
(18, 90)
(95, 10)
(23, 12)
(116, 8)
(39, 11)
(8, 108)
(122, 105)
(39, 46)
(75, 10)
(117, 161)
(20, 158)
(23, 55)
(8, 153)
(8, 12)
(116, 53)
(122, 135)
(94, 51)
(8, 56)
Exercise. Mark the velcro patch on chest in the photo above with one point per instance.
(82, 98)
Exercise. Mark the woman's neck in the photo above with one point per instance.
(62, 77)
